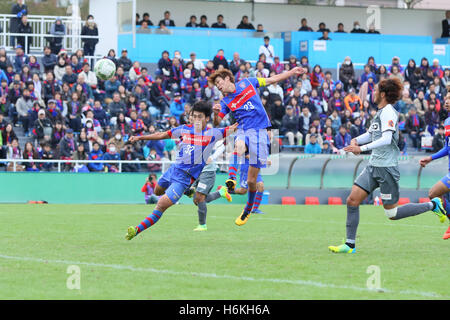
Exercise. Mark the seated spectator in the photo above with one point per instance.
(149, 189)
(313, 147)
(323, 27)
(69, 77)
(8, 135)
(170, 149)
(192, 22)
(372, 30)
(415, 127)
(48, 60)
(437, 69)
(357, 128)
(395, 73)
(111, 154)
(198, 65)
(340, 28)
(403, 105)
(23, 107)
(129, 154)
(245, 24)
(342, 138)
(289, 126)
(268, 50)
(167, 21)
(304, 121)
(219, 23)
(47, 154)
(352, 101)
(259, 28)
(153, 156)
(220, 59)
(20, 59)
(14, 152)
(67, 148)
(80, 154)
(357, 28)
(122, 125)
(96, 154)
(317, 101)
(325, 36)
(43, 128)
(89, 76)
(146, 18)
(124, 61)
(30, 154)
(117, 139)
(421, 103)
(116, 106)
(196, 94)
(432, 119)
(304, 26)
(58, 134)
(327, 148)
(277, 111)
(137, 125)
(111, 86)
(366, 75)
(306, 102)
(203, 23)
(313, 130)
(439, 139)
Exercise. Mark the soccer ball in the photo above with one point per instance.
(104, 69)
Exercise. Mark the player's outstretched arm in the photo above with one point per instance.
(231, 129)
(285, 75)
(216, 118)
(153, 136)
(441, 153)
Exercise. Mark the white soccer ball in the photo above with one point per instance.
(104, 69)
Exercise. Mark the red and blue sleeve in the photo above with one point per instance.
(176, 132)
(441, 153)
(225, 110)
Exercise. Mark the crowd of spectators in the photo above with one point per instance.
(66, 112)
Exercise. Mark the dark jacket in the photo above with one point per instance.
(245, 26)
(39, 126)
(126, 63)
(346, 72)
(409, 124)
(235, 67)
(217, 25)
(49, 62)
(24, 28)
(171, 23)
(18, 11)
(220, 61)
(438, 142)
(445, 29)
(86, 31)
(115, 108)
(289, 124)
(66, 147)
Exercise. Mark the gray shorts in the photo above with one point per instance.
(205, 182)
(384, 177)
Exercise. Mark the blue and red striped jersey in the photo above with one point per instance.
(445, 151)
(246, 105)
(195, 147)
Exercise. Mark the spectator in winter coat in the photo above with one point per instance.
(415, 127)
(342, 138)
(49, 60)
(352, 101)
(116, 106)
(220, 59)
(304, 26)
(446, 25)
(177, 106)
(347, 74)
(57, 29)
(96, 154)
(357, 28)
(124, 61)
(43, 127)
(304, 121)
(112, 154)
(219, 23)
(18, 10)
(25, 28)
(439, 139)
(89, 29)
(317, 77)
(23, 107)
(245, 24)
(313, 147)
(289, 126)
(167, 21)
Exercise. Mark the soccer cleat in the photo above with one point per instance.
(131, 233)
(242, 219)
(224, 193)
(343, 248)
(446, 234)
(257, 211)
(439, 209)
(231, 183)
(190, 192)
(201, 227)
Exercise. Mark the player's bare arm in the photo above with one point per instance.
(297, 71)
(153, 136)
(216, 118)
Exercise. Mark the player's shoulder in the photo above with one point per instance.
(389, 111)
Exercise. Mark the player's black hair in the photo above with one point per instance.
(203, 107)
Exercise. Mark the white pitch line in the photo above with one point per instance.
(224, 276)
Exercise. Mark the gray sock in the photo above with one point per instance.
(412, 209)
(202, 212)
(352, 223)
(212, 196)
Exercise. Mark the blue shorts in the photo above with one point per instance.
(175, 181)
(258, 144)
(446, 180)
(243, 175)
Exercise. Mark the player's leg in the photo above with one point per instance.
(390, 187)
(205, 183)
(199, 201)
(235, 160)
(258, 196)
(363, 185)
(251, 193)
(221, 192)
(441, 191)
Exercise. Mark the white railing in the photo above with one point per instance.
(70, 43)
(41, 25)
(164, 164)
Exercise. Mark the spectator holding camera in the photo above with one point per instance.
(149, 189)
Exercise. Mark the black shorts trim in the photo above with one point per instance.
(361, 187)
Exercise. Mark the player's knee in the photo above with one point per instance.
(390, 213)
(159, 191)
(260, 187)
(352, 201)
(432, 194)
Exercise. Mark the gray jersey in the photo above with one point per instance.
(385, 156)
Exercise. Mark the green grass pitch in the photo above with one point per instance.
(280, 255)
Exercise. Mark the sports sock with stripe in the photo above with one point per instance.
(250, 201)
(257, 202)
(149, 221)
(234, 166)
